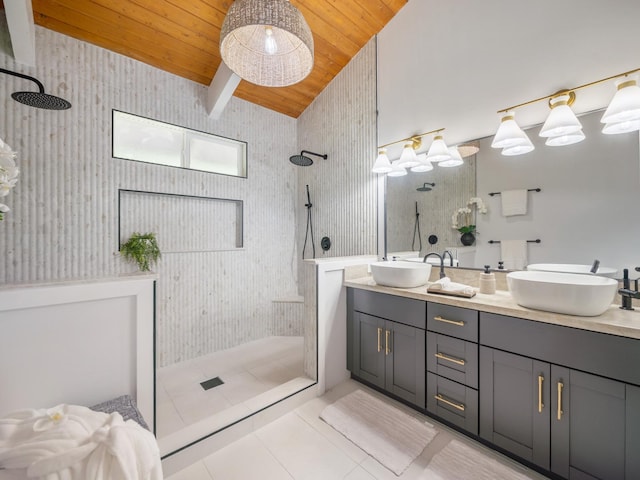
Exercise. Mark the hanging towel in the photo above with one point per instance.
(514, 254)
(514, 202)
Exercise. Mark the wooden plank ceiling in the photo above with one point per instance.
(182, 37)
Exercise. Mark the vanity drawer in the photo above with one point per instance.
(458, 404)
(391, 307)
(453, 321)
(453, 358)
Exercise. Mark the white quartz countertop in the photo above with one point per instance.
(614, 321)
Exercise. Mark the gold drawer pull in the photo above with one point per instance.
(457, 361)
(560, 412)
(540, 404)
(379, 345)
(458, 406)
(459, 323)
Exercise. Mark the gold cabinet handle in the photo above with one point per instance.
(540, 404)
(560, 412)
(457, 361)
(387, 349)
(458, 406)
(459, 323)
(379, 344)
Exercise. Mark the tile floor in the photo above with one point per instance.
(300, 446)
(247, 370)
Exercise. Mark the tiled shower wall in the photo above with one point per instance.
(341, 122)
(63, 222)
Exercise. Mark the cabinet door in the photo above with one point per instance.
(368, 348)
(405, 362)
(588, 426)
(514, 404)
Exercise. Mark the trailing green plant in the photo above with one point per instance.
(141, 248)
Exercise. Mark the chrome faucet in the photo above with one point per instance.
(626, 293)
(424, 260)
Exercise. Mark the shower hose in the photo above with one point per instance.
(416, 230)
(309, 227)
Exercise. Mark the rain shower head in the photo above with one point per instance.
(37, 99)
(424, 187)
(302, 160)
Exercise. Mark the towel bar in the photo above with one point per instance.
(537, 240)
(528, 190)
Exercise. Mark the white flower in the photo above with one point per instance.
(8, 174)
(4, 208)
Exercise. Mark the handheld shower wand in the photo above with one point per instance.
(309, 226)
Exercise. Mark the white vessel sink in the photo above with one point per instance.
(572, 268)
(401, 274)
(568, 293)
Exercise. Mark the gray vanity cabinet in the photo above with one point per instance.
(514, 404)
(387, 352)
(594, 426)
(552, 413)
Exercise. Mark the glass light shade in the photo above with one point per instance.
(568, 139)
(396, 170)
(509, 134)
(621, 127)
(438, 151)
(454, 161)
(625, 105)
(267, 42)
(525, 147)
(382, 165)
(561, 119)
(424, 165)
(408, 158)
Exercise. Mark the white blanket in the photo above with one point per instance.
(70, 442)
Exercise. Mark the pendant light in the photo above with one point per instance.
(568, 139)
(424, 164)
(525, 146)
(509, 134)
(408, 158)
(382, 165)
(438, 151)
(454, 161)
(561, 120)
(267, 42)
(396, 170)
(625, 105)
(621, 127)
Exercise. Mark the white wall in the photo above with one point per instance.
(454, 64)
(63, 223)
(586, 209)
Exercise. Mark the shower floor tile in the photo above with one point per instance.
(248, 370)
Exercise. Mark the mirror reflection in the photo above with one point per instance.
(580, 214)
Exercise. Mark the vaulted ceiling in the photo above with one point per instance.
(182, 37)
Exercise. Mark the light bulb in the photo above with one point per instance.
(270, 45)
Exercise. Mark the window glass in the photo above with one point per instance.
(146, 140)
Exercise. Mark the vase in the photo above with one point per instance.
(468, 239)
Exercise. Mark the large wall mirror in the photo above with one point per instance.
(585, 210)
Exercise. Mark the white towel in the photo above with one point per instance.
(514, 254)
(514, 202)
(448, 286)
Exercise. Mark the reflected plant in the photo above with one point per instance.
(8, 174)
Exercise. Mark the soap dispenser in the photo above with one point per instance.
(487, 281)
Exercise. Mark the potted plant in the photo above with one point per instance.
(465, 227)
(141, 248)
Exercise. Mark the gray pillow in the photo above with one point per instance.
(125, 406)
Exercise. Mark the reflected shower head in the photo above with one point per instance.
(424, 187)
(37, 99)
(304, 161)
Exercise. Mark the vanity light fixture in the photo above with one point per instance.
(438, 152)
(562, 127)
(454, 161)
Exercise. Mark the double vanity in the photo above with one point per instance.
(559, 392)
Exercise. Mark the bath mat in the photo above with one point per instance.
(389, 435)
(458, 461)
